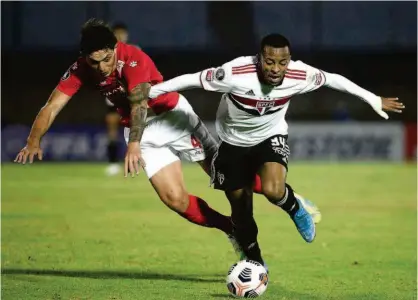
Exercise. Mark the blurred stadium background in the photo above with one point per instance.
(71, 217)
(373, 44)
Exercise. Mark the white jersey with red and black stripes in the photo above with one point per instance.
(250, 111)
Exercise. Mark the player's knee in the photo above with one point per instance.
(176, 199)
(241, 207)
(238, 196)
(274, 190)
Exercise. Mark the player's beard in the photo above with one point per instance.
(263, 76)
(276, 80)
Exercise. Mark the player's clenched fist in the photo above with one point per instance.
(133, 159)
(29, 151)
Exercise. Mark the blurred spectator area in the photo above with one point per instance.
(371, 43)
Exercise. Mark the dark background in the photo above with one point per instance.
(372, 43)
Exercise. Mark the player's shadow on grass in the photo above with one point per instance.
(112, 275)
(285, 294)
(222, 296)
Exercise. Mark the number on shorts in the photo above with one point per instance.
(195, 142)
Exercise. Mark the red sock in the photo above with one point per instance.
(257, 185)
(201, 214)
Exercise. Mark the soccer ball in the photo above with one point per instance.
(247, 279)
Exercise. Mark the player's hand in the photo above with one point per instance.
(392, 104)
(29, 151)
(133, 159)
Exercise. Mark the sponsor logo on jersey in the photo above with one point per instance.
(209, 75)
(250, 93)
(133, 64)
(115, 90)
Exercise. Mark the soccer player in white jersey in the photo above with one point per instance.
(253, 131)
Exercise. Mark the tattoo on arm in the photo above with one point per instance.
(138, 98)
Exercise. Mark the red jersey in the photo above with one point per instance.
(133, 67)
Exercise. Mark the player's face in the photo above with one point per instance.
(274, 62)
(104, 61)
(121, 35)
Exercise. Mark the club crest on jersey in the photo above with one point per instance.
(264, 106)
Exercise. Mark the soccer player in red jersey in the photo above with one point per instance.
(158, 132)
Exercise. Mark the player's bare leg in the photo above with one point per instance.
(273, 181)
(275, 184)
(245, 227)
(169, 185)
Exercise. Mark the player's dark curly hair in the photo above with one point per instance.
(96, 35)
(274, 40)
(119, 25)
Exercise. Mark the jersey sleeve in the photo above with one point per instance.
(315, 78)
(139, 68)
(217, 79)
(70, 82)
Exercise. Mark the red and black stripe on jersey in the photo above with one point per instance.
(250, 68)
(268, 106)
(295, 74)
(258, 105)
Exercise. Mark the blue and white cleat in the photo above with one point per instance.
(311, 208)
(237, 248)
(304, 223)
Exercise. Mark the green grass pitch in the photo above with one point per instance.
(69, 232)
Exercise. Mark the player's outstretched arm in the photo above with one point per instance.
(138, 98)
(180, 83)
(379, 104)
(43, 121)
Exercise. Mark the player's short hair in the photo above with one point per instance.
(274, 40)
(119, 25)
(96, 35)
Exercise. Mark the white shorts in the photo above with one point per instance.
(167, 138)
